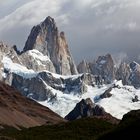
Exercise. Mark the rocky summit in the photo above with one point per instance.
(104, 66)
(47, 39)
(83, 67)
(86, 108)
(123, 73)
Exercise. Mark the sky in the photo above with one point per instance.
(92, 27)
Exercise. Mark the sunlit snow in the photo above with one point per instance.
(117, 105)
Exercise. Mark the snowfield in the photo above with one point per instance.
(17, 68)
(117, 105)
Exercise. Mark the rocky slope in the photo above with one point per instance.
(86, 108)
(46, 38)
(18, 111)
(9, 52)
(85, 128)
(33, 59)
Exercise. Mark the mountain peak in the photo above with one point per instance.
(86, 108)
(45, 38)
(49, 19)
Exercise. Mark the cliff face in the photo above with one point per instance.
(35, 60)
(104, 66)
(135, 74)
(123, 73)
(9, 52)
(83, 67)
(86, 108)
(46, 38)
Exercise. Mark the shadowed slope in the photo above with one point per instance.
(16, 110)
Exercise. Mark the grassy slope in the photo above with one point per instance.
(83, 129)
(129, 128)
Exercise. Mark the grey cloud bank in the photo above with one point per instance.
(93, 27)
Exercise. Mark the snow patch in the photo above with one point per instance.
(38, 55)
(117, 105)
(17, 68)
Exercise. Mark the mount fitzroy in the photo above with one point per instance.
(45, 72)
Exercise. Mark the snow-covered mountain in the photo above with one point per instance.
(44, 72)
(62, 93)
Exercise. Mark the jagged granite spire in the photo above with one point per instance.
(104, 66)
(83, 67)
(46, 38)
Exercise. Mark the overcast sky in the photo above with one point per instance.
(92, 27)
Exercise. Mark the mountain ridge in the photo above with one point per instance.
(43, 72)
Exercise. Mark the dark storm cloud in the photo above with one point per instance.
(93, 27)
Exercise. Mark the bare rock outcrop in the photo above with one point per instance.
(46, 38)
(123, 73)
(83, 67)
(86, 108)
(44, 85)
(35, 60)
(135, 74)
(104, 66)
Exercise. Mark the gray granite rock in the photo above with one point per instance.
(104, 67)
(135, 74)
(35, 60)
(46, 38)
(83, 67)
(123, 73)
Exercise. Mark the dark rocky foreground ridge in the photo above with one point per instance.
(85, 128)
(18, 111)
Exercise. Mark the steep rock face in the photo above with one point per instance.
(106, 94)
(6, 51)
(18, 111)
(135, 74)
(83, 67)
(123, 73)
(48, 84)
(46, 38)
(104, 66)
(33, 59)
(86, 108)
(9, 52)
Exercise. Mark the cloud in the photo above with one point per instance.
(93, 27)
(30, 13)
